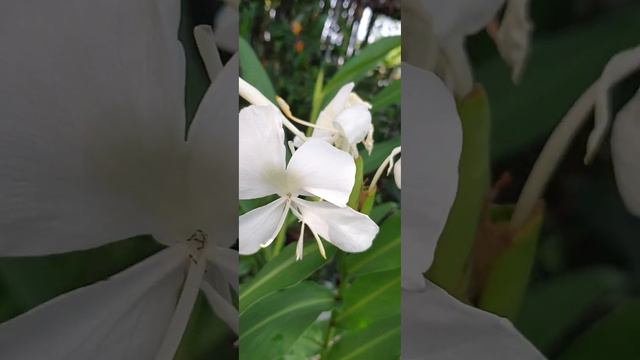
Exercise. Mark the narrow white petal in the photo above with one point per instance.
(420, 46)
(90, 121)
(345, 228)
(432, 135)
(211, 197)
(252, 95)
(258, 226)
(206, 42)
(459, 67)
(226, 260)
(514, 36)
(397, 173)
(625, 148)
(620, 66)
(261, 162)
(354, 123)
(322, 170)
(123, 317)
(221, 307)
(437, 326)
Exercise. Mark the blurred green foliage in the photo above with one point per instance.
(586, 276)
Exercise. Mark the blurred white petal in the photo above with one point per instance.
(212, 196)
(206, 42)
(226, 260)
(261, 162)
(226, 27)
(432, 135)
(259, 226)
(345, 228)
(619, 67)
(123, 317)
(222, 307)
(514, 36)
(322, 170)
(625, 149)
(92, 111)
(397, 173)
(436, 326)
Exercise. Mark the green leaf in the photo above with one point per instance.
(388, 96)
(354, 198)
(613, 337)
(253, 72)
(317, 99)
(309, 344)
(379, 341)
(383, 255)
(379, 212)
(508, 280)
(553, 308)
(380, 152)
(283, 271)
(357, 67)
(370, 298)
(269, 329)
(456, 241)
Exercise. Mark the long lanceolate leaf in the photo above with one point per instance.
(270, 328)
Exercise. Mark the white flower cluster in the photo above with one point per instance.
(321, 167)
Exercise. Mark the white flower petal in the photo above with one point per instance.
(514, 36)
(419, 44)
(619, 67)
(226, 260)
(206, 42)
(261, 162)
(354, 123)
(252, 95)
(345, 228)
(333, 108)
(258, 226)
(439, 327)
(92, 112)
(432, 138)
(222, 307)
(212, 165)
(322, 170)
(124, 317)
(397, 173)
(625, 148)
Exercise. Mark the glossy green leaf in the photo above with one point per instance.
(383, 255)
(358, 66)
(388, 96)
(283, 271)
(269, 329)
(380, 152)
(309, 344)
(379, 341)
(354, 197)
(553, 308)
(456, 241)
(509, 278)
(370, 298)
(613, 337)
(379, 212)
(252, 71)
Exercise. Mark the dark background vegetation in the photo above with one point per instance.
(583, 301)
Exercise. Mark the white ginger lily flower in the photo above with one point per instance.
(624, 137)
(93, 150)
(315, 169)
(437, 31)
(434, 324)
(346, 121)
